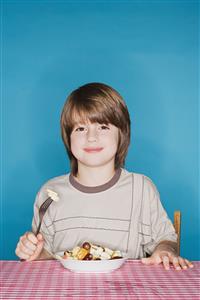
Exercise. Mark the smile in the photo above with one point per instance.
(93, 150)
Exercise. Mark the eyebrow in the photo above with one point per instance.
(79, 124)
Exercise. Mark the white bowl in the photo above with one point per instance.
(97, 266)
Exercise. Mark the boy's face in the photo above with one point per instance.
(94, 144)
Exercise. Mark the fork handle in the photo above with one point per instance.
(38, 229)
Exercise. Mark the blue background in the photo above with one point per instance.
(148, 51)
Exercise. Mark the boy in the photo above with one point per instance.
(99, 201)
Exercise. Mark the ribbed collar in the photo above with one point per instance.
(95, 189)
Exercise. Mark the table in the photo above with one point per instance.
(50, 280)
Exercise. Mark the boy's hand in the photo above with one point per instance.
(166, 254)
(30, 246)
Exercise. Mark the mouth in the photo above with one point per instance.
(93, 150)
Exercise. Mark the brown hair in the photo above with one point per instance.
(96, 102)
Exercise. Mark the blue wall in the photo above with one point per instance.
(147, 51)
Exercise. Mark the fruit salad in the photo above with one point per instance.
(89, 251)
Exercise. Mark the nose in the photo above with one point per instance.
(92, 135)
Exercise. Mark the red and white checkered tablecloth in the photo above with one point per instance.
(50, 280)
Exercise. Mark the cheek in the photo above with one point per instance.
(73, 142)
(75, 150)
(76, 139)
(76, 143)
(115, 139)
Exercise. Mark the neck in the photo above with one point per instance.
(94, 176)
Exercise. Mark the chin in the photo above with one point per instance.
(96, 163)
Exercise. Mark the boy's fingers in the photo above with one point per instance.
(40, 237)
(165, 260)
(37, 251)
(26, 243)
(31, 237)
(29, 246)
(181, 263)
(178, 262)
(25, 249)
(190, 265)
(21, 254)
(148, 260)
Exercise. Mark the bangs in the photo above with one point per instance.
(92, 114)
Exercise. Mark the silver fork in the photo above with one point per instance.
(42, 210)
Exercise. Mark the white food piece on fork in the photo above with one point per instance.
(53, 195)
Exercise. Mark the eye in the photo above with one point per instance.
(80, 129)
(104, 127)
